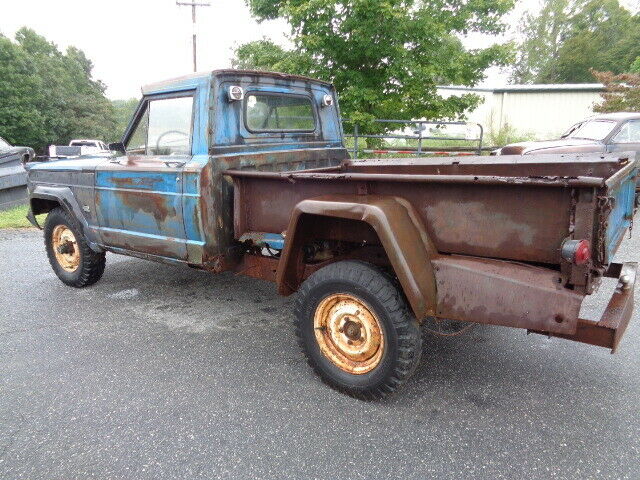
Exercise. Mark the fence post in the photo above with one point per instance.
(355, 141)
(419, 138)
(480, 139)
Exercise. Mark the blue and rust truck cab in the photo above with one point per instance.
(247, 171)
(166, 198)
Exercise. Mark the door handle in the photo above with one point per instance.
(173, 163)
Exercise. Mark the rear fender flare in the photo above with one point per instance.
(399, 230)
(67, 200)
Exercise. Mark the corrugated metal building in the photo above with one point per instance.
(539, 111)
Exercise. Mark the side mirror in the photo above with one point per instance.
(117, 147)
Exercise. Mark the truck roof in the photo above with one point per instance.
(194, 79)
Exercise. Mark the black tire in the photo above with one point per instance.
(91, 264)
(375, 289)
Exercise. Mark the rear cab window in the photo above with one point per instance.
(278, 112)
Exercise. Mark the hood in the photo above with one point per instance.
(87, 163)
(553, 146)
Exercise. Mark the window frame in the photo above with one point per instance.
(245, 116)
(145, 104)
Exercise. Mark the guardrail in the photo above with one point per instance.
(419, 127)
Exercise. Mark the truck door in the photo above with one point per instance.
(139, 195)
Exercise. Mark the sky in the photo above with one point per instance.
(135, 42)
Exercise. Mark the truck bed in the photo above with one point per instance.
(513, 208)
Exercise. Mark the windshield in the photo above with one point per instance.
(3, 144)
(593, 130)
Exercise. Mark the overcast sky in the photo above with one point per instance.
(134, 42)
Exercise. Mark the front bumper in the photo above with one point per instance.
(608, 331)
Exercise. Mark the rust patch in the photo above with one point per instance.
(608, 331)
(263, 268)
(152, 203)
(497, 292)
(348, 333)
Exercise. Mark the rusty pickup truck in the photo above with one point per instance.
(247, 172)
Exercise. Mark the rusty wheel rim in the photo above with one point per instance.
(348, 333)
(65, 248)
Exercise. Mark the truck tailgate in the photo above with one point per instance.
(619, 203)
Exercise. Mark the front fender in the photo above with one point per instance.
(67, 200)
(399, 229)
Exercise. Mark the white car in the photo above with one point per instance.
(79, 147)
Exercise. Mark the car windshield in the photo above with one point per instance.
(3, 144)
(593, 130)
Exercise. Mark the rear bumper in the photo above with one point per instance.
(608, 331)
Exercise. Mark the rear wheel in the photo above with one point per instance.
(69, 254)
(356, 330)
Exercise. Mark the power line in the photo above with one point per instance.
(193, 6)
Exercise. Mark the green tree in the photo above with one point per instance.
(20, 120)
(543, 34)
(567, 38)
(48, 96)
(266, 55)
(385, 57)
(123, 111)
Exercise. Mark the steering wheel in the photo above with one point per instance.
(168, 132)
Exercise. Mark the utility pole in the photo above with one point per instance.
(193, 6)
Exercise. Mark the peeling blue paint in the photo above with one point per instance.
(180, 207)
(622, 213)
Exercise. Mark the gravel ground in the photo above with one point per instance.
(167, 372)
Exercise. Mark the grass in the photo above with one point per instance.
(16, 217)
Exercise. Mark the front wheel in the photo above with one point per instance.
(356, 330)
(69, 254)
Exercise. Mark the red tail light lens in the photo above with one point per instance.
(583, 253)
(576, 251)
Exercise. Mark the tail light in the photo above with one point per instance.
(577, 252)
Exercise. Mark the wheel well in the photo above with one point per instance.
(43, 205)
(322, 239)
(389, 223)
(324, 227)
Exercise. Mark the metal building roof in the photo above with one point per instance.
(535, 88)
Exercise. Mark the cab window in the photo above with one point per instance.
(268, 112)
(164, 128)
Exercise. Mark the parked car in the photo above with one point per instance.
(79, 147)
(607, 132)
(247, 172)
(11, 155)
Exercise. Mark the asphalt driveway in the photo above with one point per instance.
(167, 372)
